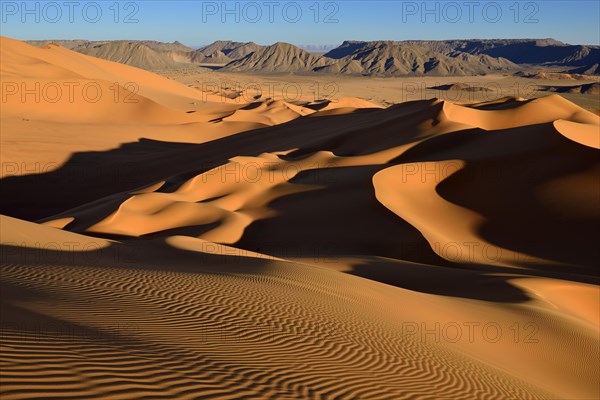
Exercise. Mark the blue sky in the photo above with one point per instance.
(300, 22)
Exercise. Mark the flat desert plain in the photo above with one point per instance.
(178, 238)
(387, 91)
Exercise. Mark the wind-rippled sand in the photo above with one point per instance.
(315, 250)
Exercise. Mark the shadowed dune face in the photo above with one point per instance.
(480, 184)
(83, 118)
(263, 335)
(188, 246)
(185, 316)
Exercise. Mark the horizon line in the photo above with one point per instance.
(309, 44)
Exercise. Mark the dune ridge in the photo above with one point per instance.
(447, 142)
(321, 249)
(74, 98)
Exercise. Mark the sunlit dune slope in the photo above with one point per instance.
(452, 181)
(56, 102)
(192, 245)
(183, 317)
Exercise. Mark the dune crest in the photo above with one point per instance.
(61, 102)
(229, 246)
(585, 134)
(446, 152)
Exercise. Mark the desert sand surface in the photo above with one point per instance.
(392, 90)
(207, 241)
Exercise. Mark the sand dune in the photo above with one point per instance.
(446, 150)
(322, 249)
(79, 103)
(261, 328)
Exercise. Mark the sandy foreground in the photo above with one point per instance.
(176, 240)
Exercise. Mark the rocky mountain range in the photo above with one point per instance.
(376, 58)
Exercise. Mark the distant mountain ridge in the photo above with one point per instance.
(153, 55)
(387, 58)
(278, 58)
(518, 51)
(374, 58)
(231, 50)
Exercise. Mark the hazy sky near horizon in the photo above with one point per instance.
(196, 23)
